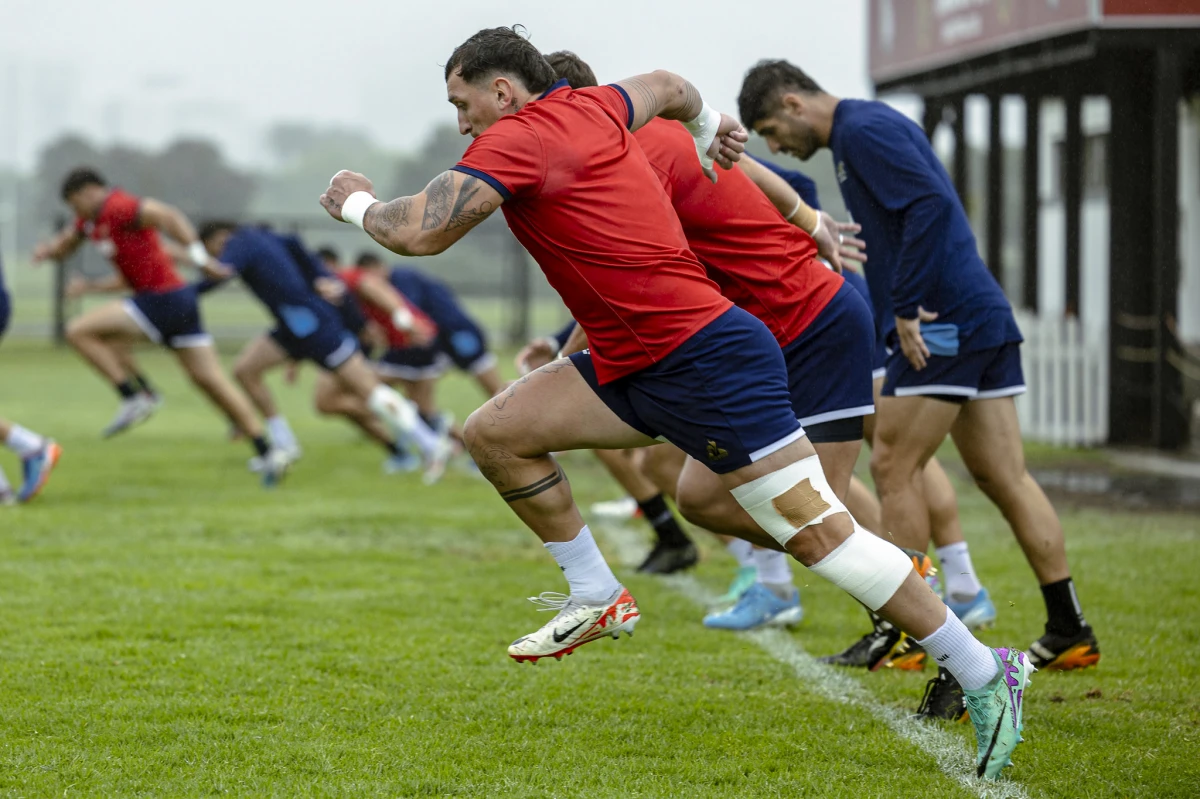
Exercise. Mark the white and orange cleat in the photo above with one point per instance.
(575, 624)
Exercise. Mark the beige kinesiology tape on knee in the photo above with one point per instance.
(786, 501)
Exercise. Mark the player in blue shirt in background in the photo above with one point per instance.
(309, 328)
(38, 454)
(954, 361)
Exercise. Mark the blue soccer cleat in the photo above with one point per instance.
(742, 581)
(974, 613)
(758, 607)
(37, 468)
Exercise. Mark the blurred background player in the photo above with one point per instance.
(308, 328)
(884, 645)
(163, 309)
(38, 455)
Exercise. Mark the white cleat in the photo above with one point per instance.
(437, 460)
(575, 624)
(617, 510)
(274, 466)
(258, 463)
(134, 410)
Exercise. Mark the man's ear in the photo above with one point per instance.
(793, 103)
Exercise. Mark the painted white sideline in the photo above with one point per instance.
(955, 759)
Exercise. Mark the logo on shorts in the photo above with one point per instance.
(841, 172)
(714, 452)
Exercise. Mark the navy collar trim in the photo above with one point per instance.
(558, 84)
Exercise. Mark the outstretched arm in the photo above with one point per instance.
(170, 220)
(60, 247)
(423, 224)
(376, 291)
(719, 137)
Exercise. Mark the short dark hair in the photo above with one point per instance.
(493, 51)
(214, 226)
(570, 66)
(80, 177)
(327, 253)
(763, 85)
(368, 259)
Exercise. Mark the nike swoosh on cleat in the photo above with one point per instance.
(560, 637)
(991, 746)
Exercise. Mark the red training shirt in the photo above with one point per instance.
(582, 199)
(397, 339)
(762, 262)
(135, 250)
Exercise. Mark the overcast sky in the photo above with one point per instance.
(146, 71)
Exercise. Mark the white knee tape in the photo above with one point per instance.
(388, 404)
(866, 567)
(785, 502)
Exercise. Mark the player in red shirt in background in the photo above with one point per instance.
(675, 358)
(163, 309)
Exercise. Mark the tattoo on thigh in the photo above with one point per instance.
(533, 489)
(501, 399)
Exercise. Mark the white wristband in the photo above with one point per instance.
(704, 129)
(197, 253)
(356, 205)
(816, 230)
(402, 318)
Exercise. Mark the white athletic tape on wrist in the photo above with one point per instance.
(704, 129)
(816, 231)
(197, 253)
(356, 205)
(402, 319)
(786, 501)
(866, 567)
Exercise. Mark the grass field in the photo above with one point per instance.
(167, 628)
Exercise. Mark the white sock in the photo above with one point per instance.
(584, 567)
(774, 568)
(742, 551)
(24, 442)
(281, 433)
(953, 647)
(958, 572)
(401, 415)
(5, 486)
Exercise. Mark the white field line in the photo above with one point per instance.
(953, 758)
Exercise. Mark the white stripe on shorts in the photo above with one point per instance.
(833, 416)
(142, 322)
(996, 393)
(771, 449)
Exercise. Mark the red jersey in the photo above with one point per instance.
(398, 339)
(582, 199)
(762, 262)
(135, 251)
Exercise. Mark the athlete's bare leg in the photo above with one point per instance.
(621, 465)
(490, 381)
(944, 525)
(864, 506)
(332, 397)
(662, 465)
(204, 368)
(258, 357)
(908, 431)
(988, 436)
(102, 336)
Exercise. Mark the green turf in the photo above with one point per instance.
(167, 628)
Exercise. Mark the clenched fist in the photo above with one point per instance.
(344, 184)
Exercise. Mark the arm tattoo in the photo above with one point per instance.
(388, 218)
(693, 103)
(437, 201)
(533, 489)
(645, 94)
(461, 215)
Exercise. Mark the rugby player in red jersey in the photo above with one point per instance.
(163, 309)
(675, 357)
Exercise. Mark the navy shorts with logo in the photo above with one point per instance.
(328, 347)
(170, 318)
(722, 396)
(413, 363)
(983, 374)
(463, 345)
(829, 368)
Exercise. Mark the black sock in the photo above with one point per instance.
(260, 446)
(396, 448)
(128, 389)
(143, 384)
(1063, 614)
(666, 527)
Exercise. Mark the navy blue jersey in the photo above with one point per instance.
(265, 265)
(312, 268)
(923, 252)
(430, 295)
(805, 186)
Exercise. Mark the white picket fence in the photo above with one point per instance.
(1066, 371)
